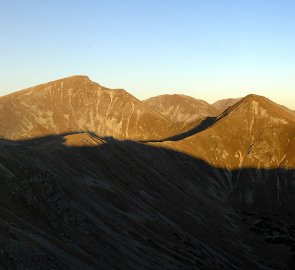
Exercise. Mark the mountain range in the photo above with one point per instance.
(94, 178)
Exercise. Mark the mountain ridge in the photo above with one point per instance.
(93, 178)
(252, 119)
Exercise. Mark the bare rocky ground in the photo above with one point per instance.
(126, 205)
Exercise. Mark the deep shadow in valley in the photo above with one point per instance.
(128, 205)
(202, 125)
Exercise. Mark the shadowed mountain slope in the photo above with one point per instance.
(126, 205)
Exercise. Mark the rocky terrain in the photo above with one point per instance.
(93, 178)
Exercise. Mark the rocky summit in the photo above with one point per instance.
(78, 104)
(93, 178)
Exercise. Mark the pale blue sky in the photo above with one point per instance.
(208, 49)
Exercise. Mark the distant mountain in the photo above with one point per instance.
(180, 108)
(78, 104)
(223, 104)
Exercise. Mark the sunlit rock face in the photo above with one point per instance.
(254, 133)
(78, 104)
(93, 178)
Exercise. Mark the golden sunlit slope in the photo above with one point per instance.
(254, 133)
(78, 104)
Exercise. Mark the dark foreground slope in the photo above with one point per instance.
(126, 205)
